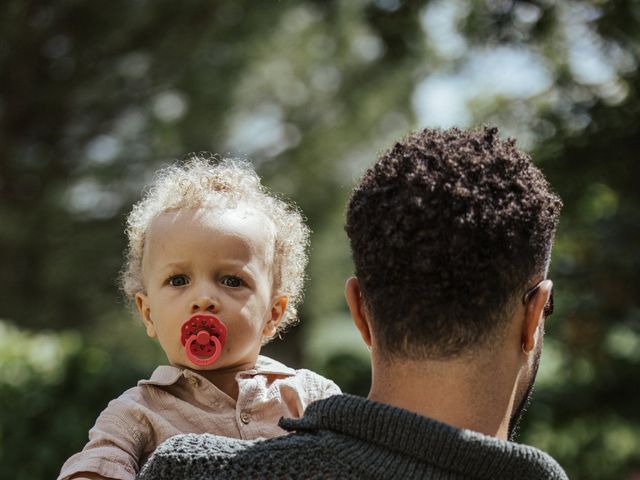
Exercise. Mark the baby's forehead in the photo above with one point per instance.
(244, 221)
(211, 215)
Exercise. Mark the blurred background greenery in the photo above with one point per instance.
(95, 96)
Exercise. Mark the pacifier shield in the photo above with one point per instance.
(203, 337)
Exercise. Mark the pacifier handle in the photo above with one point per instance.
(203, 362)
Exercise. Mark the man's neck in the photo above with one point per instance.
(471, 393)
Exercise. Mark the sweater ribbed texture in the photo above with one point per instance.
(348, 437)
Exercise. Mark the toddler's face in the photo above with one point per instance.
(210, 261)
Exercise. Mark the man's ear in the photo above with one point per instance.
(144, 309)
(533, 316)
(278, 308)
(359, 314)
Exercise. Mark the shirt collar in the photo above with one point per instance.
(165, 375)
(467, 453)
(269, 366)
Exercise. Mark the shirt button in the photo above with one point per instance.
(194, 381)
(245, 417)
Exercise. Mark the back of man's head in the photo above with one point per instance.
(447, 230)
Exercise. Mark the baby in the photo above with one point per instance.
(215, 265)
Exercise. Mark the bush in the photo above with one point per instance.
(52, 387)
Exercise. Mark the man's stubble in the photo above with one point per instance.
(524, 399)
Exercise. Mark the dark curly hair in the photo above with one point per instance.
(447, 229)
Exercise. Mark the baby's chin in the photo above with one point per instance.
(188, 365)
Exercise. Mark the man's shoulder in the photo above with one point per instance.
(190, 455)
(350, 437)
(195, 456)
(207, 445)
(543, 463)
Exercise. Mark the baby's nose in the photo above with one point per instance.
(204, 303)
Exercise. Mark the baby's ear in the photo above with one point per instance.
(144, 309)
(278, 307)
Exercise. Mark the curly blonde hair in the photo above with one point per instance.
(211, 182)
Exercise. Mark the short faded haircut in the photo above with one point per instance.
(202, 182)
(447, 229)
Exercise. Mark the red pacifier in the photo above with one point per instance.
(203, 337)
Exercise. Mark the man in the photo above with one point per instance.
(451, 234)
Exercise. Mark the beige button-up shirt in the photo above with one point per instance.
(175, 401)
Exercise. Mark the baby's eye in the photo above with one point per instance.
(232, 281)
(178, 281)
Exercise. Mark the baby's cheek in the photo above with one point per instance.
(253, 312)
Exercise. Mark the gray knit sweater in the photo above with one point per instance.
(347, 437)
